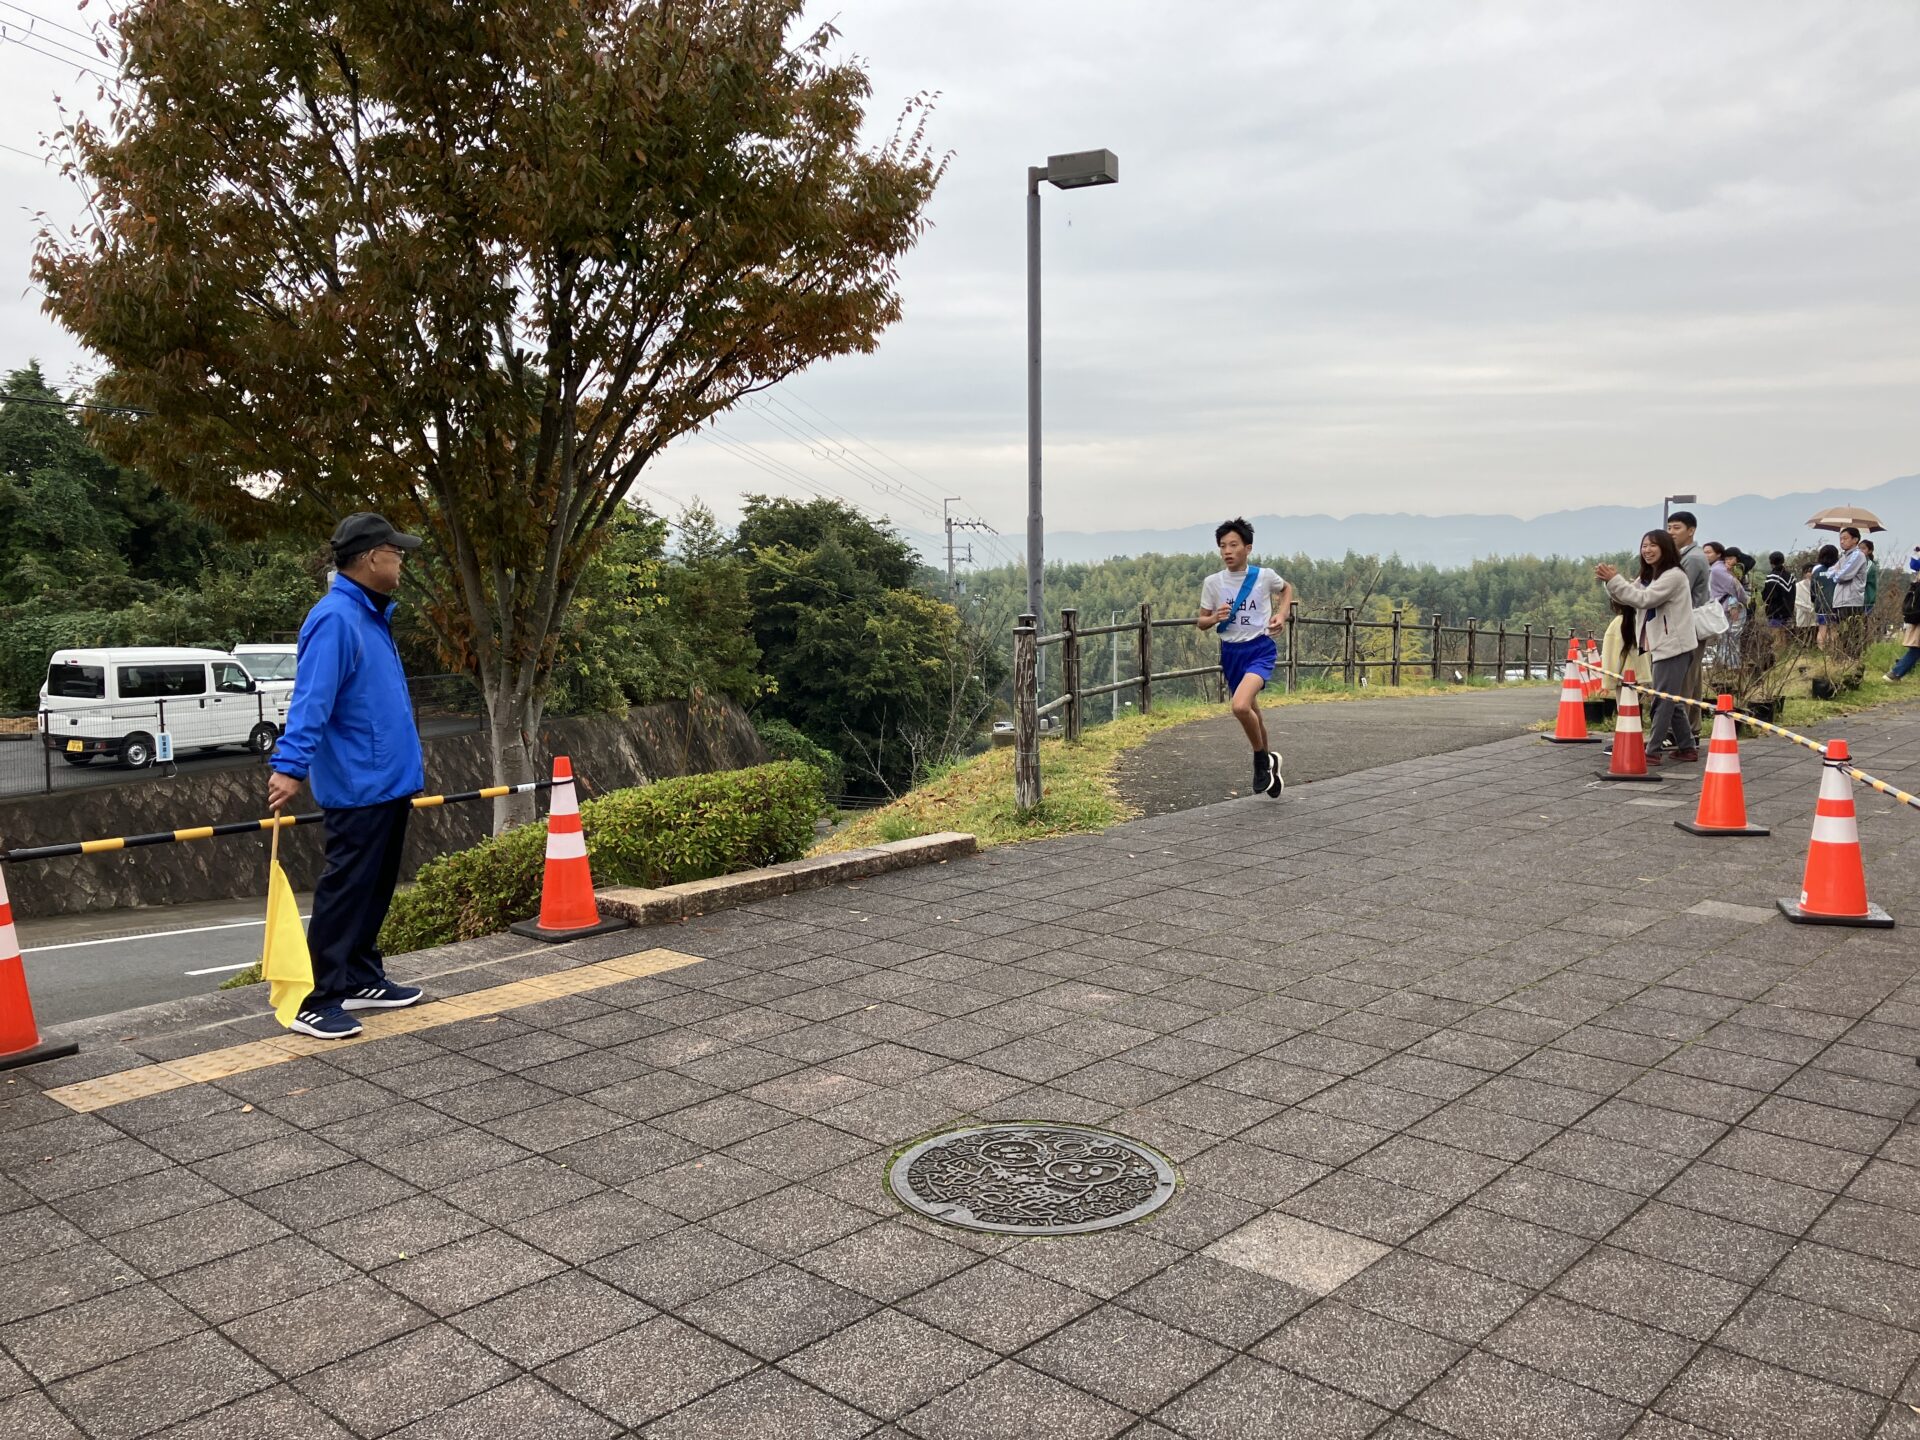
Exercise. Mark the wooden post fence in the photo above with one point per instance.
(1395, 672)
(1348, 670)
(1070, 670)
(1500, 656)
(1293, 646)
(1146, 658)
(1026, 720)
(1436, 645)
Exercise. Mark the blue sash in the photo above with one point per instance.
(1246, 589)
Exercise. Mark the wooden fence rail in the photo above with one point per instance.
(1468, 657)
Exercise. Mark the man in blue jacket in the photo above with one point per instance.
(350, 735)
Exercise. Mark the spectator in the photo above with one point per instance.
(1823, 592)
(1619, 653)
(1873, 576)
(1913, 563)
(1726, 591)
(1778, 597)
(1681, 525)
(1848, 572)
(1806, 605)
(1663, 604)
(1909, 633)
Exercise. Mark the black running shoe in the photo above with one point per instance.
(1275, 783)
(1260, 763)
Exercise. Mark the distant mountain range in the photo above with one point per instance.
(1755, 523)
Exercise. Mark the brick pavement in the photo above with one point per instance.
(1502, 1108)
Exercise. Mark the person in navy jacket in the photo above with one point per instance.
(350, 736)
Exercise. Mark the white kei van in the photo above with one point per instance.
(122, 702)
(271, 665)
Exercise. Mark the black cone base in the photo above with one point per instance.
(1648, 778)
(1874, 919)
(1583, 740)
(1694, 827)
(33, 1055)
(532, 930)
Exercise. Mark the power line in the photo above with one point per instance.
(43, 159)
(71, 404)
(59, 59)
(44, 20)
(92, 56)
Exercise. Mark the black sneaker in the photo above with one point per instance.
(326, 1022)
(1275, 782)
(384, 996)
(1260, 763)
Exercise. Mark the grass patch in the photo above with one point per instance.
(1077, 791)
(1803, 711)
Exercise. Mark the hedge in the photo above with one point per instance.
(687, 828)
(785, 741)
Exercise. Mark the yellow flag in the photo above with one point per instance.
(284, 961)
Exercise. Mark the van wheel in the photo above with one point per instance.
(136, 751)
(78, 759)
(262, 737)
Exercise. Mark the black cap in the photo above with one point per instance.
(364, 531)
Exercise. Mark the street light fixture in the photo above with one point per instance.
(1666, 505)
(1064, 172)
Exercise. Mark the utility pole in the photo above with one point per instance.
(949, 524)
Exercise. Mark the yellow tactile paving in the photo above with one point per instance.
(127, 1085)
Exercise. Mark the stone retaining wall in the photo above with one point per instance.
(609, 752)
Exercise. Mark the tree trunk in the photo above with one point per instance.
(513, 721)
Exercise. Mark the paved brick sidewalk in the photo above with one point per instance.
(1502, 1108)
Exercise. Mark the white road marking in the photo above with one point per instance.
(223, 969)
(153, 935)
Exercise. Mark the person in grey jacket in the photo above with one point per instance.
(1663, 604)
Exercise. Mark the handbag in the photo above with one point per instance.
(1709, 621)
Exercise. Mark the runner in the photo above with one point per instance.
(1249, 604)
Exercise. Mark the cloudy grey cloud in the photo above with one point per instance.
(1426, 255)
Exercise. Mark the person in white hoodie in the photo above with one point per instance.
(1663, 604)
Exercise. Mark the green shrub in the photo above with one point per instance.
(688, 828)
(788, 742)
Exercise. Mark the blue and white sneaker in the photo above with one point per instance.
(387, 996)
(328, 1022)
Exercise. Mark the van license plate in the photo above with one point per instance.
(74, 747)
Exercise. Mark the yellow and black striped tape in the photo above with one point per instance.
(1892, 792)
(244, 827)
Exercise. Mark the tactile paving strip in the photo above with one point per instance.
(157, 1079)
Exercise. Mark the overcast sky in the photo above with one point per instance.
(1425, 256)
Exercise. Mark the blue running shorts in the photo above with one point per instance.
(1242, 658)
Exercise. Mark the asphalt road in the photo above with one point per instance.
(84, 965)
(1209, 760)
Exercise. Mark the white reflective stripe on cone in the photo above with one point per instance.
(1723, 728)
(9, 942)
(1628, 724)
(563, 801)
(1835, 830)
(1834, 784)
(566, 845)
(1719, 762)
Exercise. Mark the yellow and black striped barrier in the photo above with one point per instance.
(1872, 782)
(244, 827)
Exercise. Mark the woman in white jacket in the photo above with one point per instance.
(1663, 605)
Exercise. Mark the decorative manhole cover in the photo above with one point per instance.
(1032, 1179)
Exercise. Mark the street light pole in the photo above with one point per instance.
(1667, 504)
(1064, 172)
(1035, 529)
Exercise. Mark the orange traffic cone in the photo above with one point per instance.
(1596, 682)
(567, 911)
(1629, 740)
(19, 1036)
(1571, 726)
(1723, 799)
(1834, 891)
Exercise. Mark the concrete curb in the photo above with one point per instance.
(700, 897)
